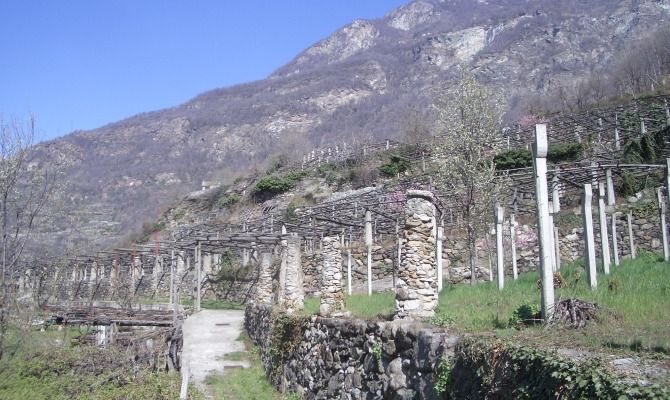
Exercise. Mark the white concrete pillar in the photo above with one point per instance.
(349, 267)
(556, 208)
(631, 238)
(664, 226)
(368, 245)
(604, 237)
(512, 235)
(615, 240)
(172, 280)
(540, 148)
(500, 259)
(438, 245)
(589, 242)
(551, 238)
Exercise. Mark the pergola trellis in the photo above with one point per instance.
(381, 209)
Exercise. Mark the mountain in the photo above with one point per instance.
(362, 81)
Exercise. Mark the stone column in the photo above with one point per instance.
(263, 294)
(293, 293)
(332, 297)
(540, 148)
(416, 286)
(589, 242)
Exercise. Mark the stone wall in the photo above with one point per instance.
(336, 358)
(349, 358)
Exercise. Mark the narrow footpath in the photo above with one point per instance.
(208, 336)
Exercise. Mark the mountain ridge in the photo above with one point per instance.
(362, 81)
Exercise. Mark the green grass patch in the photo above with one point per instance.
(634, 301)
(244, 383)
(379, 305)
(215, 304)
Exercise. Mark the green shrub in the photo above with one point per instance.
(564, 152)
(228, 200)
(272, 185)
(396, 165)
(525, 314)
(513, 159)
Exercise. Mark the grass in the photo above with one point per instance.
(379, 305)
(244, 383)
(635, 299)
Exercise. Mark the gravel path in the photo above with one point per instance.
(208, 336)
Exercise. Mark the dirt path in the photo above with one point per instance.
(208, 336)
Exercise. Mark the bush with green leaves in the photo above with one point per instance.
(396, 165)
(272, 185)
(564, 152)
(228, 200)
(513, 159)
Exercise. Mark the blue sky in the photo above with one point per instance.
(80, 64)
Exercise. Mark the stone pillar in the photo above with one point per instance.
(293, 293)
(332, 297)
(263, 294)
(540, 148)
(604, 237)
(416, 286)
(589, 242)
(500, 256)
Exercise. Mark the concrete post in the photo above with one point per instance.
(664, 226)
(512, 236)
(416, 286)
(631, 239)
(264, 284)
(556, 205)
(611, 203)
(368, 245)
(604, 237)
(551, 237)
(615, 241)
(440, 239)
(589, 242)
(172, 280)
(540, 148)
(617, 139)
(332, 298)
(293, 293)
(158, 269)
(500, 259)
(198, 276)
(349, 267)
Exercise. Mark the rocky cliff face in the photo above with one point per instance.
(362, 80)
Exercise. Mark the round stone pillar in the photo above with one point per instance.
(263, 294)
(332, 297)
(293, 293)
(416, 285)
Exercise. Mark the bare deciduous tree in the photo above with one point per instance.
(470, 115)
(24, 189)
